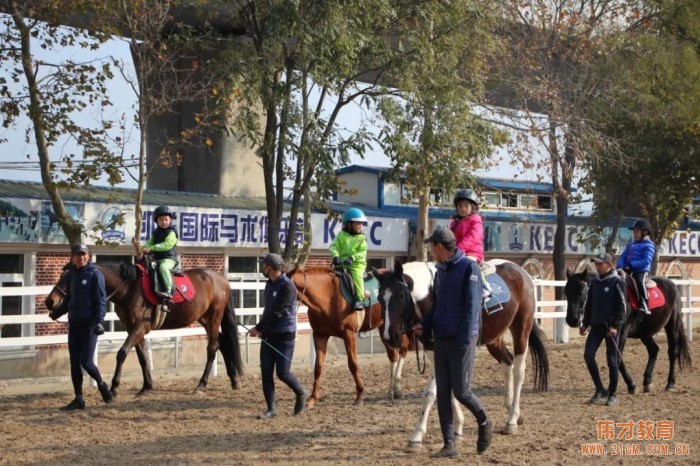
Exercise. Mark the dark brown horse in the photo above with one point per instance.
(212, 307)
(644, 327)
(406, 295)
(331, 315)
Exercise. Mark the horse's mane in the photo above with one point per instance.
(314, 270)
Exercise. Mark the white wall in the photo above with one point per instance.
(366, 186)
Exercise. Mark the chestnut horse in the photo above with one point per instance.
(212, 306)
(331, 315)
(406, 294)
(667, 317)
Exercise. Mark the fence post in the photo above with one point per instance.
(689, 316)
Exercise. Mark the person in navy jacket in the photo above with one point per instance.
(277, 328)
(604, 314)
(637, 258)
(86, 306)
(454, 323)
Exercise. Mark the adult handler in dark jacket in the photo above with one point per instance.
(603, 315)
(86, 306)
(455, 326)
(277, 328)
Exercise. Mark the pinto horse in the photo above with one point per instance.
(406, 294)
(212, 306)
(668, 316)
(331, 315)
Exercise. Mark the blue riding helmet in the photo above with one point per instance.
(354, 215)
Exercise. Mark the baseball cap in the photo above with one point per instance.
(603, 257)
(273, 260)
(78, 248)
(442, 236)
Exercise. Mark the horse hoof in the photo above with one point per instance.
(142, 392)
(358, 402)
(632, 390)
(415, 445)
(521, 420)
(397, 396)
(511, 429)
(669, 387)
(648, 388)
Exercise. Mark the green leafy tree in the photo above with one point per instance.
(51, 94)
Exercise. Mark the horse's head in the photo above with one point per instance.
(576, 291)
(60, 290)
(398, 306)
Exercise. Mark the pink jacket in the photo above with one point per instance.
(469, 233)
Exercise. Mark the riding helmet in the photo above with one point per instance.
(467, 195)
(163, 210)
(641, 224)
(354, 215)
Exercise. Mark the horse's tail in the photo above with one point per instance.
(228, 343)
(682, 346)
(540, 360)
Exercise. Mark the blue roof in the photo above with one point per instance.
(362, 168)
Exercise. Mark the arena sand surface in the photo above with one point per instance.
(175, 426)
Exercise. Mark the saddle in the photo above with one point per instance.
(183, 290)
(347, 286)
(656, 297)
(500, 292)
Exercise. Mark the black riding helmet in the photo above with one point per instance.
(163, 210)
(643, 225)
(467, 195)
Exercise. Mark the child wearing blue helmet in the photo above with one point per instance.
(637, 257)
(349, 250)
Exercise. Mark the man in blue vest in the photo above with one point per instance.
(455, 327)
(86, 307)
(277, 328)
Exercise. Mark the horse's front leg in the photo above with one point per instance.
(514, 417)
(395, 390)
(320, 346)
(212, 348)
(429, 394)
(145, 370)
(631, 386)
(351, 350)
(135, 335)
(653, 351)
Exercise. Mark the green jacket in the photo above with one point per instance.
(347, 245)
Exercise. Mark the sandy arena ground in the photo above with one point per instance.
(175, 426)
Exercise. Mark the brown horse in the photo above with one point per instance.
(406, 295)
(636, 325)
(212, 307)
(331, 315)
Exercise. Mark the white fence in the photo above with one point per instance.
(554, 310)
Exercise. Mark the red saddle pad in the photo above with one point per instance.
(183, 285)
(656, 298)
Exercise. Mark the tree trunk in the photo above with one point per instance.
(423, 225)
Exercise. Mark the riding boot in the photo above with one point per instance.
(300, 402)
(644, 306)
(77, 403)
(104, 391)
(270, 413)
(448, 451)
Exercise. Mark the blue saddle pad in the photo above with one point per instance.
(501, 293)
(371, 285)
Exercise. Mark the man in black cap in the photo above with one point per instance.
(277, 328)
(603, 314)
(86, 306)
(454, 322)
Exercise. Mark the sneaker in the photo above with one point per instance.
(300, 403)
(598, 396)
(270, 413)
(612, 401)
(448, 451)
(73, 405)
(104, 391)
(485, 434)
(358, 306)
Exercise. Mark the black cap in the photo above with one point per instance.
(442, 236)
(603, 257)
(78, 248)
(273, 260)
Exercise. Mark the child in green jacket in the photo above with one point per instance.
(349, 250)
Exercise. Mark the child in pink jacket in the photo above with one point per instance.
(468, 228)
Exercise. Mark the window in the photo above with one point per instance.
(11, 263)
(509, 200)
(492, 199)
(11, 306)
(247, 270)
